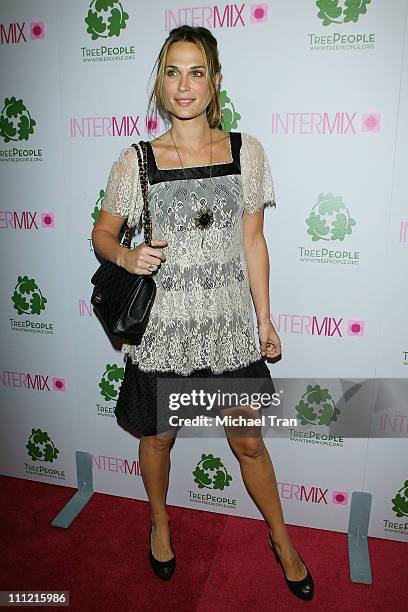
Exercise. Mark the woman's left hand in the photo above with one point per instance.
(270, 345)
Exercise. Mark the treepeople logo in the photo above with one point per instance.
(111, 381)
(16, 122)
(334, 13)
(330, 219)
(400, 501)
(40, 447)
(97, 208)
(210, 473)
(316, 407)
(27, 297)
(95, 214)
(105, 19)
(229, 116)
(330, 11)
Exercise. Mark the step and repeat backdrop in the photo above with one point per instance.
(324, 87)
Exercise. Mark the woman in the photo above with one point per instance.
(207, 191)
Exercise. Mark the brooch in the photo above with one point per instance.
(204, 218)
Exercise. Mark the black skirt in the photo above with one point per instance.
(137, 409)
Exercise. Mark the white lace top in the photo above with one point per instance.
(202, 314)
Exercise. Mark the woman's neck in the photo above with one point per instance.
(192, 134)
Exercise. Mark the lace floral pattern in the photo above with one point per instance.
(123, 196)
(202, 314)
(258, 189)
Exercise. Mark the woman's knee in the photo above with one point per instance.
(159, 442)
(247, 447)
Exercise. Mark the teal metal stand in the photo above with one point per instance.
(85, 491)
(359, 560)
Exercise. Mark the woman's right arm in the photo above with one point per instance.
(105, 238)
(123, 197)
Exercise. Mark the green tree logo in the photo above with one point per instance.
(27, 297)
(40, 447)
(106, 18)
(217, 479)
(400, 501)
(329, 219)
(111, 382)
(16, 122)
(330, 11)
(316, 407)
(97, 208)
(229, 116)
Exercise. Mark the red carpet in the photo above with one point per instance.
(223, 563)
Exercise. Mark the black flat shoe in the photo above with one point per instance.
(162, 569)
(303, 588)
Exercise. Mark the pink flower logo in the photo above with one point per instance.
(355, 328)
(47, 220)
(37, 30)
(258, 13)
(58, 384)
(371, 122)
(340, 497)
(152, 124)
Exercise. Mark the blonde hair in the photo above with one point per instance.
(207, 44)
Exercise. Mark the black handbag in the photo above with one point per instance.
(123, 300)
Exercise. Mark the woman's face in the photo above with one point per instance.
(185, 79)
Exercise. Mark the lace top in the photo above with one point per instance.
(202, 313)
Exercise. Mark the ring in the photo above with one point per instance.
(151, 268)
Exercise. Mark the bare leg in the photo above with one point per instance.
(154, 459)
(259, 478)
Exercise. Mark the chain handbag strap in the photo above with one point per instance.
(147, 220)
